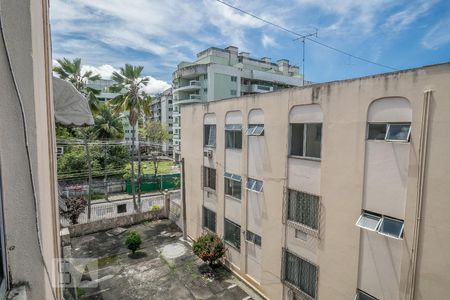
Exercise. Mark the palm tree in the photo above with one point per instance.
(107, 126)
(136, 103)
(71, 71)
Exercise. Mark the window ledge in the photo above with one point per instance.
(389, 141)
(209, 190)
(232, 246)
(295, 289)
(232, 198)
(305, 158)
(208, 230)
(303, 228)
(206, 147)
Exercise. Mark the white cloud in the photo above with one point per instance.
(105, 71)
(439, 35)
(155, 86)
(404, 18)
(268, 41)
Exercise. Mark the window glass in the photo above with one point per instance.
(377, 131)
(253, 237)
(233, 188)
(232, 233)
(301, 274)
(209, 178)
(313, 140)
(233, 136)
(209, 219)
(297, 131)
(391, 227)
(364, 296)
(254, 185)
(250, 183)
(368, 221)
(209, 135)
(398, 132)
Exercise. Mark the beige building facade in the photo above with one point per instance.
(331, 191)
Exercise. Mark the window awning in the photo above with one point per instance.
(71, 107)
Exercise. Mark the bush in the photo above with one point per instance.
(209, 247)
(133, 241)
(75, 207)
(155, 207)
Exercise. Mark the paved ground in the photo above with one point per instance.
(165, 269)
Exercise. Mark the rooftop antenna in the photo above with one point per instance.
(303, 39)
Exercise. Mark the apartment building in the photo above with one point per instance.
(162, 111)
(226, 73)
(331, 191)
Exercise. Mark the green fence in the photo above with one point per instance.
(150, 183)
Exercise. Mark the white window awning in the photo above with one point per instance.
(71, 107)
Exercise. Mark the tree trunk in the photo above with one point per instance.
(133, 190)
(105, 179)
(139, 176)
(88, 158)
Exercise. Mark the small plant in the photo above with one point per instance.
(133, 241)
(155, 207)
(209, 247)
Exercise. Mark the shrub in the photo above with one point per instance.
(133, 241)
(75, 207)
(209, 247)
(155, 207)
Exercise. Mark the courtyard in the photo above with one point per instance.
(164, 268)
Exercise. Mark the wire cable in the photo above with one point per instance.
(27, 148)
(306, 37)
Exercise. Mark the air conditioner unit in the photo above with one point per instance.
(208, 153)
(59, 150)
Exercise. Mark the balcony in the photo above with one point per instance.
(193, 85)
(191, 99)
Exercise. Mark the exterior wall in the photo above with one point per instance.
(339, 178)
(29, 48)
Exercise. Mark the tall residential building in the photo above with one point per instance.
(331, 191)
(225, 73)
(162, 111)
(103, 86)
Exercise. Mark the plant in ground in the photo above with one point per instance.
(209, 247)
(75, 207)
(133, 241)
(155, 207)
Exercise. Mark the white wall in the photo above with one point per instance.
(304, 175)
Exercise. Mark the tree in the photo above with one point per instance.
(136, 103)
(133, 241)
(155, 134)
(107, 126)
(209, 247)
(71, 71)
(75, 207)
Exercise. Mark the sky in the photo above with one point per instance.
(158, 35)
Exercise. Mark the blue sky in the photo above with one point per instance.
(160, 34)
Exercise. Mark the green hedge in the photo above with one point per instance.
(151, 183)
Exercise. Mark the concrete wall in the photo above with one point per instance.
(340, 249)
(26, 28)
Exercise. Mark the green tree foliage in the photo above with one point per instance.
(133, 241)
(209, 247)
(107, 125)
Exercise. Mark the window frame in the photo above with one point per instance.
(205, 209)
(358, 292)
(399, 236)
(253, 185)
(235, 129)
(304, 142)
(206, 175)
(388, 128)
(251, 130)
(381, 219)
(229, 242)
(306, 228)
(251, 237)
(371, 215)
(233, 178)
(204, 135)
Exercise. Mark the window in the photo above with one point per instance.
(232, 233)
(253, 238)
(306, 139)
(121, 208)
(360, 295)
(209, 135)
(233, 78)
(232, 185)
(392, 132)
(384, 225)
(254, 185)
(209, 178)
(391, 227)
(303, 208)
(233, 92)
(233, 136)
(300, 274)
(255, 130)
(205, 90)
(209, 219)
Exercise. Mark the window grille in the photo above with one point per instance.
(232, 233)
(209, 219)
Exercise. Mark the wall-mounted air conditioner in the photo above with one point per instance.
(208, 153)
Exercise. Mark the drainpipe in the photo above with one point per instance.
(183, 199)
(423, 142)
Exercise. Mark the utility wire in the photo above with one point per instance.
(306, 37)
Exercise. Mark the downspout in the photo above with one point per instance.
(423, 142)
(183, 199)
